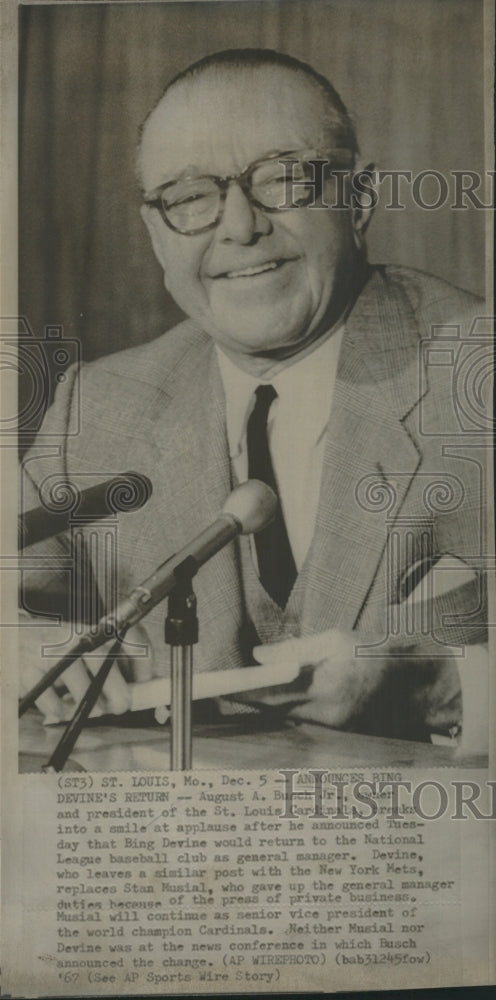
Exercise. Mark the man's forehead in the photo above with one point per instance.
(221, 121)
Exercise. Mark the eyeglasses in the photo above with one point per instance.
(293, 179)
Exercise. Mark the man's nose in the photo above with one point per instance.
(241, 221)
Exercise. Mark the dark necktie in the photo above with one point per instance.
(276, 565)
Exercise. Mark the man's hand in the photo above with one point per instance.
(398, 685)
(59, 702)
(339, 684)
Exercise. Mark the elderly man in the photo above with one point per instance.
(301, 365)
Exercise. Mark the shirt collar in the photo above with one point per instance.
(311, 378)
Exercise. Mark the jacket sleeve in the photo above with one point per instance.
(55, 572)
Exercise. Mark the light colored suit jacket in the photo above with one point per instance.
(403, 477)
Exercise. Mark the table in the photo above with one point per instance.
(248, 742)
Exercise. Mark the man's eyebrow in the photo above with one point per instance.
(188, 171)
(192, 170)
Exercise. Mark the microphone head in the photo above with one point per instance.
(253, 505)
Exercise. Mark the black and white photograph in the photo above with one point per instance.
(348, 589)
(249, 328)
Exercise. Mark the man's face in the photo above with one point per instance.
(259, 283)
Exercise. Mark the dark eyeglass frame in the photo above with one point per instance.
(155, 198)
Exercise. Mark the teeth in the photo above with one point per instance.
(247, 271)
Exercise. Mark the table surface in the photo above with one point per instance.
(240, 744)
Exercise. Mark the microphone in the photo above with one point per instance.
(248, 509)
(65, 505)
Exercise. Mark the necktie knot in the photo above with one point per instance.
(265, 395)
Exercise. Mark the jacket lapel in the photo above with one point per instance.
(189, 433)
(370, 457)
(193, 475)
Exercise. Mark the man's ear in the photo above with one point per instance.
(153, 222)
(364, 198)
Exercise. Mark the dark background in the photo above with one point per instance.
(410, 72)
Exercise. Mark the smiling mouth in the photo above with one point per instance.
(254, 269)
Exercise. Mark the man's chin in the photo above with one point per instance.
(266, 335)
(263, 345)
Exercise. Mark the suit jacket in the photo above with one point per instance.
(403, 479)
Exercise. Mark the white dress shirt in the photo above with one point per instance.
(296, 427)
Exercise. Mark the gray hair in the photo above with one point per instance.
(337, 116)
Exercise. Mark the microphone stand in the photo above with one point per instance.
(181, 634)
(72, 732)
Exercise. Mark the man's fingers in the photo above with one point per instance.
(136, 656)
(287, 651)
(49, 703)
(133, 662)
(53, 708)
(115, 697)
(307, 650)
(77, 680)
